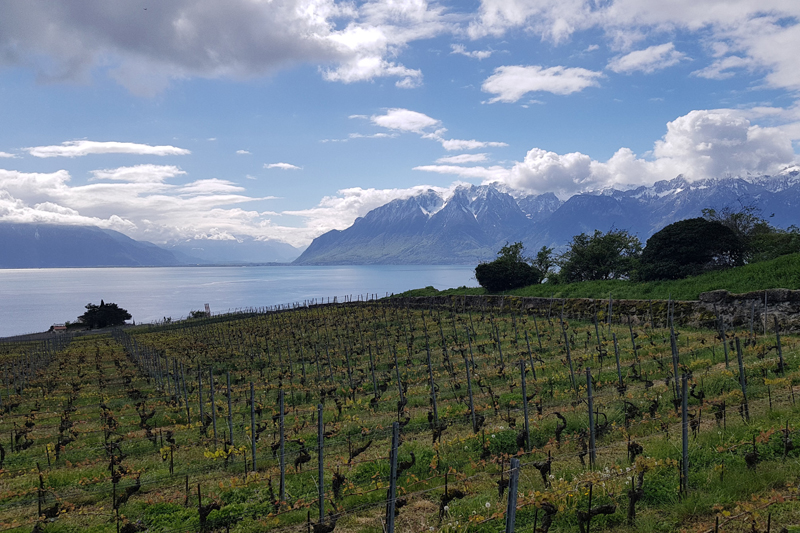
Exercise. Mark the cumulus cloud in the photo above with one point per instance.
(648, 60)
(460, 49)
(510, 83)
(144, 49)
(242, 152)
(701, 144)
(405, 120)
(282, 166)
(82, 148)
(7, 155)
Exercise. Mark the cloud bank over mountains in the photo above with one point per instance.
(149, 49)
(701, 144)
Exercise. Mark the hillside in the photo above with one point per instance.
(783, 272)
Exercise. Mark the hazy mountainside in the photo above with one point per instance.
(476, 221)
(243, 250)
(48, 246)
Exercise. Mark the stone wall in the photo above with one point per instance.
(736, 309)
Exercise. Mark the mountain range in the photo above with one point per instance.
(466, 226)
(474, 222)
(59, 246)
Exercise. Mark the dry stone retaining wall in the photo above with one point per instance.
(735, 309)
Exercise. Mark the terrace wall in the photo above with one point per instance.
(736, 309)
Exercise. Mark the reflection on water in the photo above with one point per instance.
(34, 299)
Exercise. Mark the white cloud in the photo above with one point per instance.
(7, 155)
(722, 69)
(592, 48)
(488, 174)
(462, 158)
(759, 35)
(472, 144)
(145, 49)
(282, 166)
(138, 173)
(701, 144)
(553, 20)
(460, 49)
(82, 148)
(340, 211)
(405, 120)
(242, 152)
(648, 60)
(510, 83)
(373, 136)
(135, 200)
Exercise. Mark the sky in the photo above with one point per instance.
(284, 119)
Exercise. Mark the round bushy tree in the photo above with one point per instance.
(611, 255)
(690, 247)
(509, 271)
(104, 315)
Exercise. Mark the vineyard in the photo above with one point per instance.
(377, 415)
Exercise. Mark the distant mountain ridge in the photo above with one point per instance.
(472, 224)
(56, 246)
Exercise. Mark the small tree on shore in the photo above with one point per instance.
(104, 315)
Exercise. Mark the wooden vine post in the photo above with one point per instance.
(590, 401)
(320, 463)
(525, 407)
(253, 424)
(282, 495)
(213, 407)
(685, 434)
(742, 380)
(392, 497)
(513, 484)
(621, 385)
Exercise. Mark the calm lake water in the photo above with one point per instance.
(32, 300)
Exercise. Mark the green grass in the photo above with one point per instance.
(783, 272)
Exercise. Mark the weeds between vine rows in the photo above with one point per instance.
(152, 428)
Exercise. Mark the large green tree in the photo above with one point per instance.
(611, 255)
(509, 271)
(690, 247)
(762, 241)
(104, 315)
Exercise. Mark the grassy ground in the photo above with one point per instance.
(100, 390)
(783, 272)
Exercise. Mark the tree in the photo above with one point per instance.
(762, 241)
(509, 271)
(690, 247)
(104, 315)
(545, 262)
(611, 255)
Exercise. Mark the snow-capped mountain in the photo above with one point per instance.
(471, 225)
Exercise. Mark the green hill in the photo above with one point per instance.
(783, 272)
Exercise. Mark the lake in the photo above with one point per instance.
(32, 300)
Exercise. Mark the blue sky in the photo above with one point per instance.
(285, 119)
